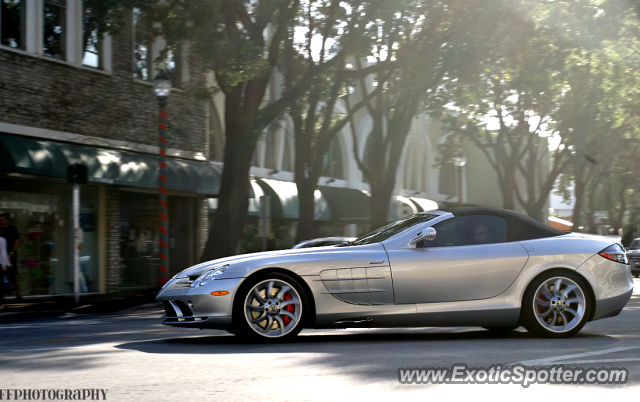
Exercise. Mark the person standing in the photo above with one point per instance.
(5, 264)
(11, 235)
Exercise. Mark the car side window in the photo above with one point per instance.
(468, 230)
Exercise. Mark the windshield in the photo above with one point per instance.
(385, 232)
(634, 245)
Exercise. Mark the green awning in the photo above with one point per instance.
(254, 200)
(424, 204)
(49, 158)
(347, 204)
(400, 207)
(285, 203)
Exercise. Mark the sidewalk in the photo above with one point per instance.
(40, 307)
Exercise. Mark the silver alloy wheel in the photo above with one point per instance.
(559, 304)
(268, 305)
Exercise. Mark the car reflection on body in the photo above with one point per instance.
(323, 241)
(466, 267)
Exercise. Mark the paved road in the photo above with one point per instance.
(138, 359)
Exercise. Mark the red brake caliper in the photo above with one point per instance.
(289, 308)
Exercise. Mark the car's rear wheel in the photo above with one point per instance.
(557, 304)
(270, 307)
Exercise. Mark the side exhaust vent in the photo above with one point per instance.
(364, 322)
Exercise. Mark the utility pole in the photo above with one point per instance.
(76, 175)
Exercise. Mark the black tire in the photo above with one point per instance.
(245, 296)
(502, 329)
(556, 311)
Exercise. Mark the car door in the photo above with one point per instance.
(454, 266)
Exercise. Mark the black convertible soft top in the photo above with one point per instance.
(519, 226)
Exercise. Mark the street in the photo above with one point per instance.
(137, 359)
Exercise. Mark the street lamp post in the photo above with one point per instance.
(162, 89)
(460, 160)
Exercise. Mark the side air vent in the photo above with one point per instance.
(364, 286)
(364, 322)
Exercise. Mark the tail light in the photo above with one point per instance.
(615, 253)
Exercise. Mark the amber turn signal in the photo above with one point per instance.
(220, 293)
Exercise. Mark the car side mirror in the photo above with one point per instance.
(427, 234)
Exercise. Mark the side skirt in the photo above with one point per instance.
(470, 318)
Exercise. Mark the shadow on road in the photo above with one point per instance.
(334, 341)
(374, 357)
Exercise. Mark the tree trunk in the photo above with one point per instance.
(228, 222)
(592, 202)
(609, 203)
(617, 222)
(535, 211)
(306, 223)
(579, 194)
(380, 200)
(508, 201)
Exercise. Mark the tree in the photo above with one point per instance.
(315, 121)
(600, 110)
(243, 43)
(414, 45)
(536, 81)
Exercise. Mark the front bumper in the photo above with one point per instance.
(196, 307)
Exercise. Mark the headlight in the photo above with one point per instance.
(180, 273)
(209, 276)
(174, 277)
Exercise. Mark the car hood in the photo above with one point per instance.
(304, 261)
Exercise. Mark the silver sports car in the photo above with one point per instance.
(467, 267)
(323, 241)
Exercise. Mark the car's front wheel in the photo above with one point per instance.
(556, 304)
(270, 307)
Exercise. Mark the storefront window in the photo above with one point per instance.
(42, 215)
(139, 237)
(138, 240)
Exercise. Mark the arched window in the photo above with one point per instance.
(216, 137)
(332, 165)
(426, 171)
(271, 145)
(412, 166)
(287, 154)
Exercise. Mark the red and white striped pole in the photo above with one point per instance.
(162, 88)
(163, 265)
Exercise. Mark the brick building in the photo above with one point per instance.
(68, 96)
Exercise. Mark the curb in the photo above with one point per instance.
(69, 313)
(26, 315)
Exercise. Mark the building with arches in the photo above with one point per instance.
(421, 184)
